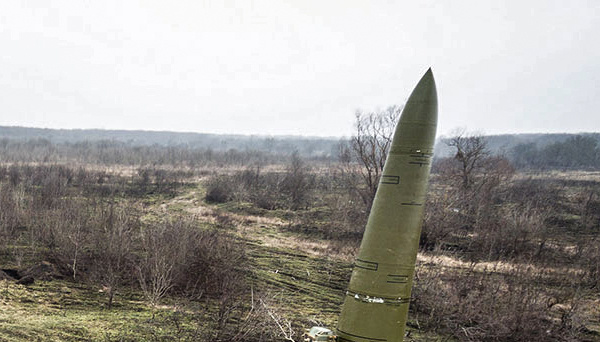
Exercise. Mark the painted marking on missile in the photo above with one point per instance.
(420, 155)
(412, 203)
(377, 300)
(367, 265)
(363, 337)
(419, 163)
(419, 159)
(385, 179)
(397, 279)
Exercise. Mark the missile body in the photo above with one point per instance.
(376, 304)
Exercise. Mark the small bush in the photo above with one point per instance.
(219, 190)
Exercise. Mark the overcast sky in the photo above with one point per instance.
(297, 67)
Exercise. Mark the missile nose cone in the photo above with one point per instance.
(422, 102)
(418, 122)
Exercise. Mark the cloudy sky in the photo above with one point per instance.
(297, 67)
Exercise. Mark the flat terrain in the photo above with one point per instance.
(301, 279)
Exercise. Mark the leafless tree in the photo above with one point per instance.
(471, 153)
(471, 182)
(114, 244)
(297, 182)
(155, 269)
(370, 144)
(74, 230)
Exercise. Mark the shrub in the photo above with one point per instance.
(496, 304)
(219, 189)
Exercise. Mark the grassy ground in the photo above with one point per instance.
(304, 277)
(308, 290)
(63, 311)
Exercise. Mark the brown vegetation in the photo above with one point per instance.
(504, 255)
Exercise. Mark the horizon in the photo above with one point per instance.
(438, 137)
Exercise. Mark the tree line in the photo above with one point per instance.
(578, 152)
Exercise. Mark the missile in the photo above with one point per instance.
(376, 303)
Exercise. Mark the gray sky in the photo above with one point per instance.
(298, 66)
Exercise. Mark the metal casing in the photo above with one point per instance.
(378, 297)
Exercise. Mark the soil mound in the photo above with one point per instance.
(42, 271)
(11, 273)
(4, 276)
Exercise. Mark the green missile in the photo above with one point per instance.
(376, 304)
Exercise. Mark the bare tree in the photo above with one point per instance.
(370, 145)
(297, 182)
(155, 269)
(76, 234)
(114, 243)
(471, 153)
(471, 181)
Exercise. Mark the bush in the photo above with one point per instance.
(219, 190)
(497, 304)
(266, 190)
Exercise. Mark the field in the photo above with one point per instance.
(259, 253)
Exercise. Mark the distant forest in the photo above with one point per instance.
(109, 147)
(313, 147)
(22, 144)
(540, 151)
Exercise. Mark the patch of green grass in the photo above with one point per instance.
(62, 311)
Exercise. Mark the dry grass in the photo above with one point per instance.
(276, 247)
(501, 266)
